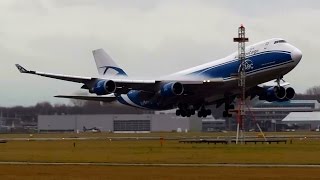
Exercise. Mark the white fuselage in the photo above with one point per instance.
(265, 61)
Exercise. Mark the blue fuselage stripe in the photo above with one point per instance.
(256, 63)
(236, 60)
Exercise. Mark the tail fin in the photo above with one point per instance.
(105, 64)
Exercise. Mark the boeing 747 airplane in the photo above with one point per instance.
(190, 91)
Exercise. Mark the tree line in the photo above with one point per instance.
(30, 113)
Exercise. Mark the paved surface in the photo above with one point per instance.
(156, 138)
(167, 165)
(83, 138)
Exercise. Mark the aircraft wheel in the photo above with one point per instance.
(208, 112)
(193, 112)
(204, 115)
(225, 114)
(178, 112)
(183, 113)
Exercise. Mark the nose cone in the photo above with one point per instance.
(296, 55)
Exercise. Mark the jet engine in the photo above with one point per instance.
(172, 89)
(290, 93)
(103, 87)
(275, 93)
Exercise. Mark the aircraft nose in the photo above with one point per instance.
(296, 55)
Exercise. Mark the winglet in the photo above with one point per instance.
(21, 69)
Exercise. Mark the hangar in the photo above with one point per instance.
(309, 120)
(117, 123)
(270, 115)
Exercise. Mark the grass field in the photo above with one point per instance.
(302, 151)
(150, 151)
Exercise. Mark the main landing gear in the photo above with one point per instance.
(187, 111)
(203, 112)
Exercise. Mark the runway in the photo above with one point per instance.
(248, 165)
(128, 138)
(84, 138)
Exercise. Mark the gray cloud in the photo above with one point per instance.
(147, 38)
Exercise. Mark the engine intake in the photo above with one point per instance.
(172, 89)
(103, 87)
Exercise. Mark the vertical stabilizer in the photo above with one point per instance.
(105, 65)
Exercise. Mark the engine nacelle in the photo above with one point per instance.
(290, 93)
(103, 87)
(172, 89)
(275, 93)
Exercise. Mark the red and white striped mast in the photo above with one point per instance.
(241, 40)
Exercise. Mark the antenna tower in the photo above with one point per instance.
(241, 40)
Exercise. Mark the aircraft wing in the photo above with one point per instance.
(107, 98)
(125, 85)
(77, 79)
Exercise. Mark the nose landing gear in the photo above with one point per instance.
(226, 111)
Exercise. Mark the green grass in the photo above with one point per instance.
(149, 151)
(302, 151)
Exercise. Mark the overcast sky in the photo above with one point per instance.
(147, 38)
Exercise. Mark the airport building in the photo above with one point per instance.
(270, 114)
(117, 123)
(213, 125)
(301, 120)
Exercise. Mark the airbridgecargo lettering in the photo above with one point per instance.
(252, 51)
(193, 89)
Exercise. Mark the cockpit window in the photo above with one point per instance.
(280, 41)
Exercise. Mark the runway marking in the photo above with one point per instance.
(167, 165)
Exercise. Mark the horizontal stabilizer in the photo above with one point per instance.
(90, 98)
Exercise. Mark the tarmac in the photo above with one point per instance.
(156, 138)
